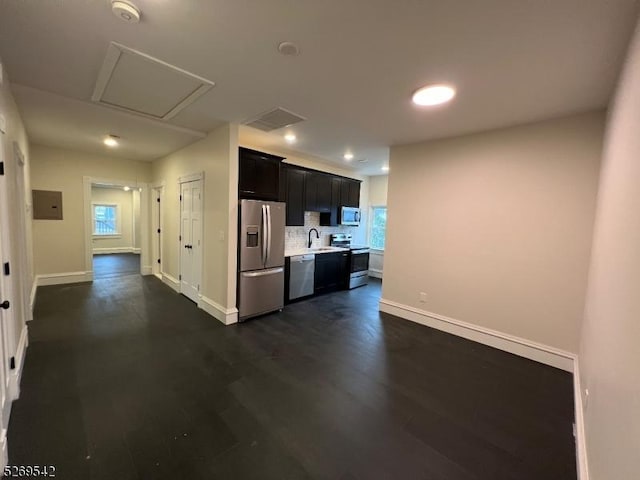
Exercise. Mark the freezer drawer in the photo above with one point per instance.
(261, 291)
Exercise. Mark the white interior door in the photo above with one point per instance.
(191, 238)
(6, 315)
(157, 230)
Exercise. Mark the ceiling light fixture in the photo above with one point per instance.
(288, 49)
(290, 138)
(385, 168)
(111, 141)
(125, 11)
(348, 156)
(126, 189)
(431, 95)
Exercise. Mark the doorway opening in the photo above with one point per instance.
(115, 228)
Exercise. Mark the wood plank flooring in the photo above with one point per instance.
(129, 380)
(115, 265)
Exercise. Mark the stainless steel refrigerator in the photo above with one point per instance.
(260, 258)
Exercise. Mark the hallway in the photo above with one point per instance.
(115, 265)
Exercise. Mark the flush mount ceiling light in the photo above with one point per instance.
(125, 11)
(111, 141)
(348, 156)
(126, 189)
(289, 49)
(290, 138)
(431, 95)
(385, 169)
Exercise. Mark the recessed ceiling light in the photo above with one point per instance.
(433, 95)
(111, 141)
(290, 138)
(289, 49)
(126, 189)
(385, 169)
(125, 11)
(348, 156)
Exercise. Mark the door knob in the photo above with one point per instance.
(5, 305)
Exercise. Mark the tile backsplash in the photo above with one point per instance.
(297, 237)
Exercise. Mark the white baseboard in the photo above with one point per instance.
(16, 374)
(502, 341)
(63, 278)
(226, 316)
(581, 443)
(171, 281)
(375, 273)
(32, 297)
(108, 251)
(147, 270)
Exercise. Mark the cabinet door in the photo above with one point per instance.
(354, 193)
(310, 191)
(332, 217)
(258, 175)
(344, 192)
(295, 198)
(323, 193)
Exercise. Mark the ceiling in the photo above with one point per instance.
(512, 63)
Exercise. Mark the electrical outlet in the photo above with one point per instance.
(221, 235)
(423, 297)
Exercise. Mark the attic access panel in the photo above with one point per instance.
(139, 83)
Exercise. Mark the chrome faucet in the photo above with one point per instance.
(317, 235)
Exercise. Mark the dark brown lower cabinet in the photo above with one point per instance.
(331, 272)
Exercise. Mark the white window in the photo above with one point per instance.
(106, 220)
(378, 227)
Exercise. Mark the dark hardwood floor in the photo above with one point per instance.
(115, 265)
(128, 380)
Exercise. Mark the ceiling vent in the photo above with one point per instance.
(274, 119)
(138, 83)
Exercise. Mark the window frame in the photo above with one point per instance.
(118, 233)
(371, 216)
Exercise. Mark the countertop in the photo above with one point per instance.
(316, 250)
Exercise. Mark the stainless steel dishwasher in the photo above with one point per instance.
(301, 271)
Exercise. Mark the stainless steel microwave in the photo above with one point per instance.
(350, 216)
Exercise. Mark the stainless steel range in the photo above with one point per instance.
(358, 259)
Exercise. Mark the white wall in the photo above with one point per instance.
(124, 241)
(377, 198)
(610, 346)
(64, 170)
(216, 156)
(496, 227)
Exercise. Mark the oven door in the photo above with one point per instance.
(359, 261)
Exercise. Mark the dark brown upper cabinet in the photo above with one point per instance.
(259, 175)
(294, 195)
(307, 190)
(317, 192)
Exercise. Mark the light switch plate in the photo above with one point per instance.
(3, 124)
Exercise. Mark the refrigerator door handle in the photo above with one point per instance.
(263, 273)
(268, 233)
(264, 235)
